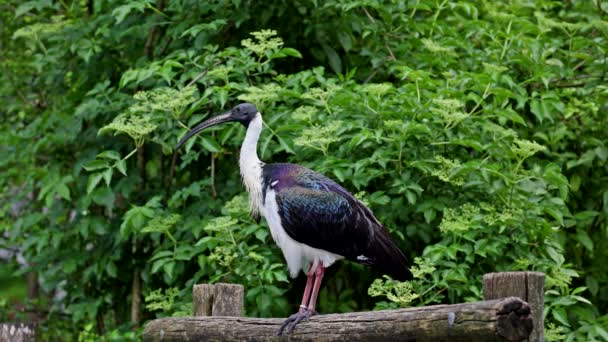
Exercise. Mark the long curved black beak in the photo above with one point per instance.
(226, 117)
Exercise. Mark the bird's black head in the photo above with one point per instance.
(243, 113)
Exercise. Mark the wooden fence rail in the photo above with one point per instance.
(511, 311)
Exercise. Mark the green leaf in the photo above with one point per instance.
(210, 144)
(513, 116)
(555, 213)
(421, 6)
(601, 331)
(111, 269)
(184, 253)
(291, 52)
(540, 109)
(134, 220)
(109, 155)
(593, 285)
(560, 315)
(345, 41)
(169, 267)
(586, 215)
(99, 226)
(575, 182)
(285, 146)
(161, 254)
(411, 197)
(261, 234)
(334, 59)
(582, 299)
(206, 241)
(339, 174)
(557, 257)
(95, 164)
(578, 290)
(94, 179)
(120, 12)
(104, 196)
(281, 276)
(222, 95)
(601, 152)
(63, 191)
(121, 165)
(213, 26)
(28, 6)
(584, 239)
(263, 301)
(158, 264)
(429, 215)
(107, 176)
(161, 224)
(69, 266)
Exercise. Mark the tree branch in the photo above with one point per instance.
(149, 47)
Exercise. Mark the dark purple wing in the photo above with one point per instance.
(318, 212)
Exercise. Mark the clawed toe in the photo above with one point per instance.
(307, 314)
(290, 323)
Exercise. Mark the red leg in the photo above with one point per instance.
(315, 290)
(307, 309)
(308, 287)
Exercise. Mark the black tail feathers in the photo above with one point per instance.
(387, 257)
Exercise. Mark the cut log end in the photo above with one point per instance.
(514, 322)
(529, 286)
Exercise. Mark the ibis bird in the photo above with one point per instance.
(312, 219)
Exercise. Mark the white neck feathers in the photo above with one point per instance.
(251, 166)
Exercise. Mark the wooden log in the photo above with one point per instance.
(504, 319)
(218, 300)
(528, 286)
(17, 332)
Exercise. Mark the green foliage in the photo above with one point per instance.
(165, 302)
(89, 335)
(475, 130)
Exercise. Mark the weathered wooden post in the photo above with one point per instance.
(17, 332)
(218, 300)
(529, 286)
(202, 299)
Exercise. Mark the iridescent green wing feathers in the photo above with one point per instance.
(318, 212)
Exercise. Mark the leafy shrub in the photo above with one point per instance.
(475, 130)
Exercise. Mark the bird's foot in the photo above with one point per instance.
(291, 322)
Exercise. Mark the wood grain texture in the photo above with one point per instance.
(202, 299)
(504, 319)
(228, 300)
(528, 286)
(218, 300)
(17, 332)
